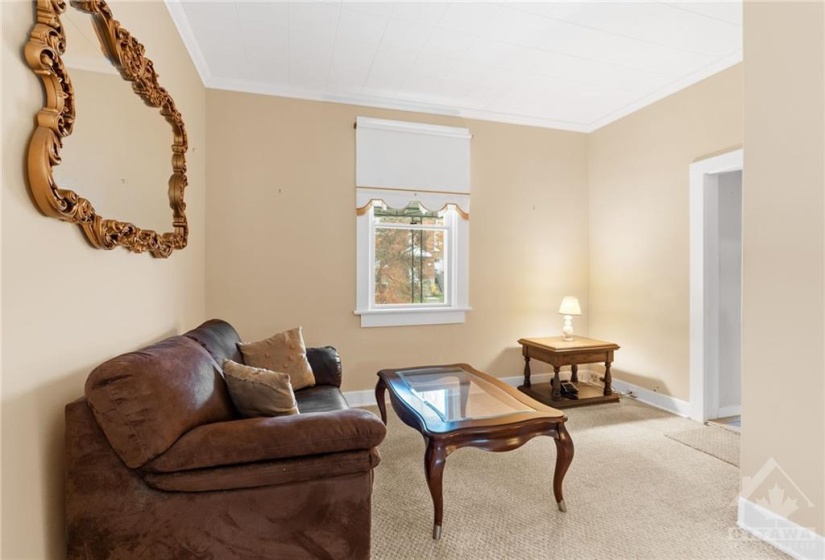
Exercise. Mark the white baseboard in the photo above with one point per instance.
(728, 411)
(654, 399)
(360, 398)
(799, 542)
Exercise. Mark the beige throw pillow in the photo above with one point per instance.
(283, 352)
(259, 392)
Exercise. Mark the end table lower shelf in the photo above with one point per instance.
(588, 394)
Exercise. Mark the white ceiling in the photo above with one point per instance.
(570, 65)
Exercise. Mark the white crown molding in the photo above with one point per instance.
(703, 73)
(262, 88)
(175, 9)
(780, 532)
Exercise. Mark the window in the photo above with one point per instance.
(412, 265)
(409, 256)
(413, 201)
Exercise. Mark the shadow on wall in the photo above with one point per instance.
(42, 410)
(650, 383)
(510, 363)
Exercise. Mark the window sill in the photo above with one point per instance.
(409, 317)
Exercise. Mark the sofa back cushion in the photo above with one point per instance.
(220, 339)
(145, 400)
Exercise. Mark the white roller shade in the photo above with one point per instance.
(412, 156)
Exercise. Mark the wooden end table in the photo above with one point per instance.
(456, 406)
(559, 353)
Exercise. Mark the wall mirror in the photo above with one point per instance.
(108, 151)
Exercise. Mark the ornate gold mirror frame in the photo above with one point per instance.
(44, 51)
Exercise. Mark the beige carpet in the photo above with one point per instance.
(631, 492)
(713, 440)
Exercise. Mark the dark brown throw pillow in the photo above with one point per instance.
(258, 391)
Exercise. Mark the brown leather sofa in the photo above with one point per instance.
(159, 465)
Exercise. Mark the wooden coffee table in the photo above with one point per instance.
(456, 406)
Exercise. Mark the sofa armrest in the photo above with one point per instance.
(326, 365)
(251, 440)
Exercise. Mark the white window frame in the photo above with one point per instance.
(457, 273)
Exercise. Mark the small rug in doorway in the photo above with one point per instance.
(717, 442)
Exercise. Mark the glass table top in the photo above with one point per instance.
(450, 394)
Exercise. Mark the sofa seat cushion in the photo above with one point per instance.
(145, 400)
(321, 398)
(251, 440)
(272, 473)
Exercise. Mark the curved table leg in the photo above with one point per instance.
(434, 460)
(564, 456)
(380, 389)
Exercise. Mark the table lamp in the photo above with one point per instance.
(569, 307)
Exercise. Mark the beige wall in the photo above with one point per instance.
(639, 226)
(281, 234)
(66, 307)
(784, 249)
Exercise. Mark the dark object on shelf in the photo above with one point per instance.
(569, 390)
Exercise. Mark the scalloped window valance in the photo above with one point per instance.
(399, 162)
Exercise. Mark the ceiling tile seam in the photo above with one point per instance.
(478, 81)
(246, 57)
(288, 47)
(421, 50)
(334, 44)
(613, 33)
(375, 54)
(190, 41)
(723, 63)
(580, 57)
(440, 18)
(573, 81)
(504, 91)
(407, 75)
(671, 4)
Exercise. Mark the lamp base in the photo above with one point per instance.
(567, 329)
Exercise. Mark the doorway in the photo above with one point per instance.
(716, 289)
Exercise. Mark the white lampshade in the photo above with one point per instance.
(570, 306)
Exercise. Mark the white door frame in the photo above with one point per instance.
(704, 380)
